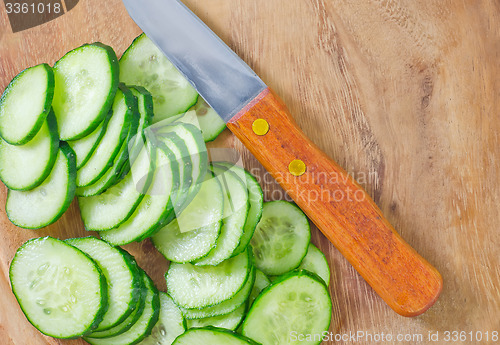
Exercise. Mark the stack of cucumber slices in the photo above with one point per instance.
(127, 137)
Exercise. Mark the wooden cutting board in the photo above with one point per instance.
(404, 94)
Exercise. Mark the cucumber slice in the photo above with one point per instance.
(86, 80)
(298, 303)
(211, 124)
(154, 208)
(261, 282)
(85, 147)
(122, 276)
(315, 262)
(193, 286)
(194, 233)
(143, 326)
(26, 166)
(145, 106)
(46, 203)
(61, 290)
(281, 238)
(116, 134)
(236, 207)
(212, 336)
(25, 104)
(113, 207)
(145, 65)
(170, 325)
(225, 307)
(229, 321)
(256, 200)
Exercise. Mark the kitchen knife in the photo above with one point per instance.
(330, 197)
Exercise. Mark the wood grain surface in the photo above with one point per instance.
(404, 94)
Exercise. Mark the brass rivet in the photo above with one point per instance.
(297, 167)
(260, 127)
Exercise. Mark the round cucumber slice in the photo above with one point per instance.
(60, 289)
(296, 304)
(228, 321)
(26, 103)
(212, 336)
(211, 124)
(315, 262)
(281, 238)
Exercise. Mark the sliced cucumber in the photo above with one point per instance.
(281, 238)
(85, 147)
(229, 321)
(154, 208)
(236, 207)
(145, 65)
(298, 303)
(122, 275)
(211, 124)
(226, 307)
(193, 286)
(25, 104)
(46, 203)
(143, 326)
(212, 336)
(113, 207)
(86, 80)
(261, 282)
(170, 325)
(26, 166)
(194, 233)
(315, 262)
(61, 290)
(113, 140)
(256, 200)
(145, 106)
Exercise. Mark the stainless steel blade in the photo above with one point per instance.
(217, 73)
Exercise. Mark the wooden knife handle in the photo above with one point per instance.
(338, 206)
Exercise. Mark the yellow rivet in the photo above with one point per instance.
(297, 167)
(260, 127)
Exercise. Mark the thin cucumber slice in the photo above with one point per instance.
(142, 327)
(256, 200)
(25, 104)
(229, 321)
(170, 325)
(212, 336)
(26, 166)
(226, 307)
(194, 233)
(145, 106)
(193, 286)
(86, 80)
(315, 262)
(261, 282)
(122, 276)
(113, 207)
(145, 65)
(61, 290)
(281, 238)
(154, 208)
(116, 134)
(236, 207)
(46, 203)
(211, 124)
(85, 147)
(298, 303)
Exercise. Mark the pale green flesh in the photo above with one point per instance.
(211, 337)
(84, 81)
(210, 123)
(44, 204)
(145, 65)
(123, 288)
(299, 304)
(315, 262)
(170, 324)
(194, 233)
(227, 321)
(23, 105)
(235, 212)
(197, 287)
(57, 286)
(281, 238)
(261, 282)
(227, 306)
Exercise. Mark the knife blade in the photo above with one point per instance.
(331, 198)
